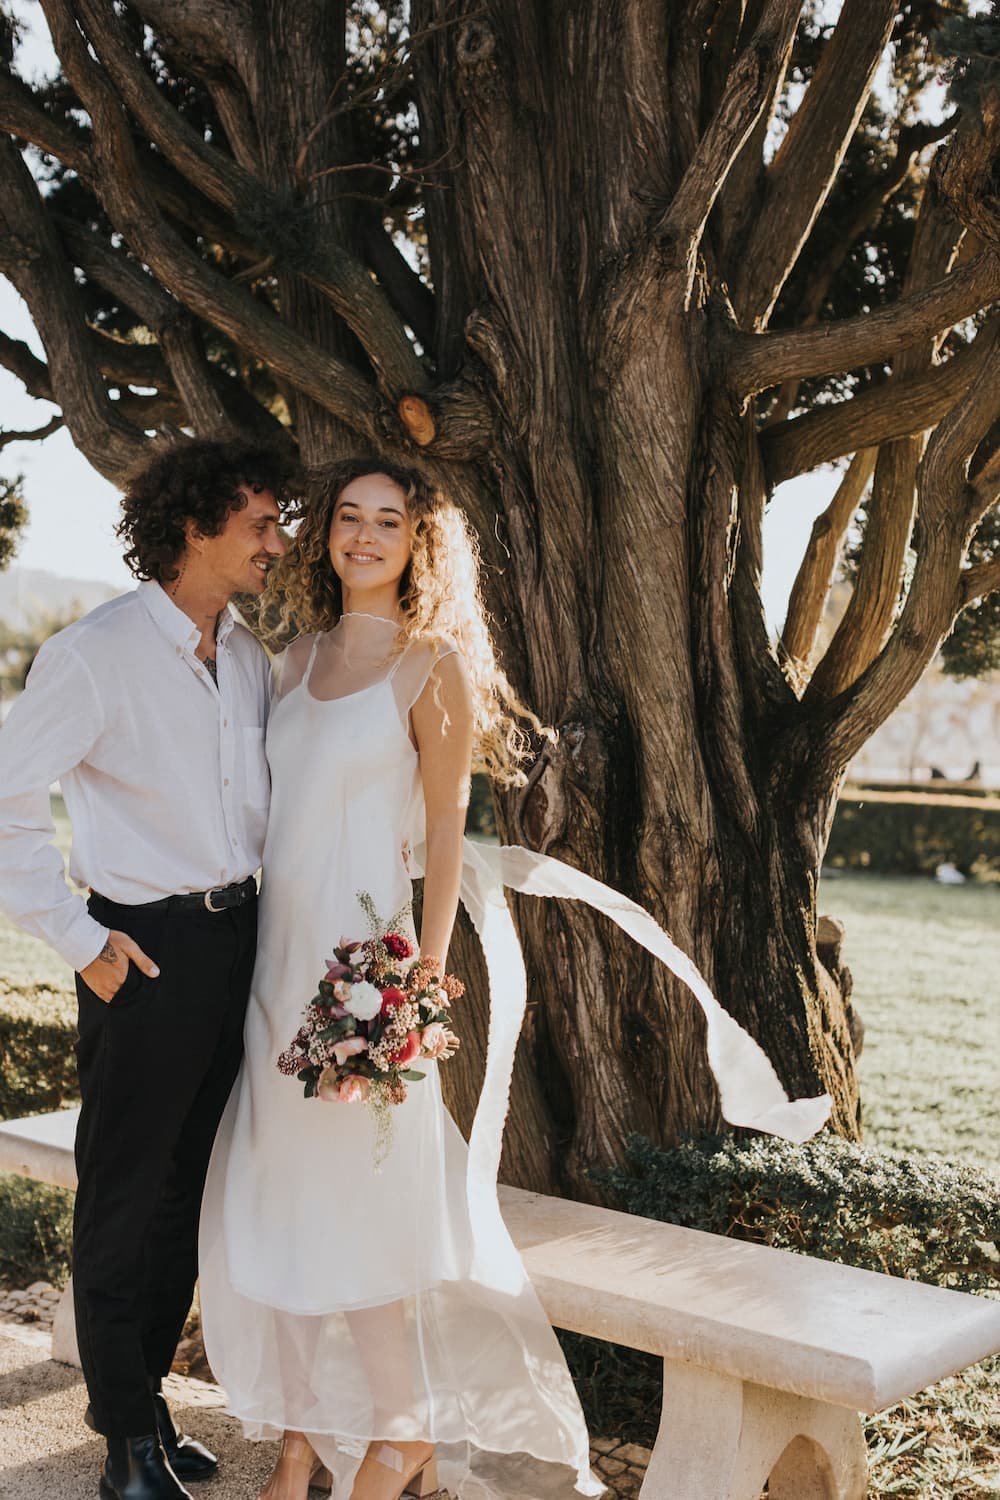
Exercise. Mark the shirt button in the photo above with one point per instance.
(225, 723)
(225, 781)
(180, 650)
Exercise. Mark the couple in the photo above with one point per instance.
(380, 1323)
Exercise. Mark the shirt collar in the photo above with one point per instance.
(179, 628)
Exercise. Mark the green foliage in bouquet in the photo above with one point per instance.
(37, 1063)
(918, 1217)
(36, 1232)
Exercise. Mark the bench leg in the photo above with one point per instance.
(64, 1330)
(721, 1438)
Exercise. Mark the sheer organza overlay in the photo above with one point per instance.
(351, 1304)
(336, 1300)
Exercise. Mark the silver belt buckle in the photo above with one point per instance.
(208, 900)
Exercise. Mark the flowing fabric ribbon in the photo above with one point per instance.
(750, 1091)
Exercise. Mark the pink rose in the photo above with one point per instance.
(353, 1090)
(409, 1050)
(434, 1040)
(349, 1047)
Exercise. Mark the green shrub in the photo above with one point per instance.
(36, 1232)
(917, 1217)
(37, 1062)
(914, 835)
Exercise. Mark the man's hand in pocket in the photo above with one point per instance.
(106, 975)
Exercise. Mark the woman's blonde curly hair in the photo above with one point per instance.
(439, 594)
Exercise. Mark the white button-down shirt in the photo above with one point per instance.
(163, 773)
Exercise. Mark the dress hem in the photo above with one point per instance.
(348, 1437)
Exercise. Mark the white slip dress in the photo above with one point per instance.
(353, 1304)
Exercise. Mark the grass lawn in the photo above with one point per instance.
(926, 964)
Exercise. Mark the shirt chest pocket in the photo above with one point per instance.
(258, 779)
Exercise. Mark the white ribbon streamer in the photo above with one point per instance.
(750, 1091)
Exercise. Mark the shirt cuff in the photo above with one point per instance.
(83, 942)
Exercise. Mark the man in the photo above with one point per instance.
(150, 711)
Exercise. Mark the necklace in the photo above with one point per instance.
(360, 614)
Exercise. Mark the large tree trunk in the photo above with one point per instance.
(613, 470)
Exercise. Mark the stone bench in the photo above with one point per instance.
(768, 1357)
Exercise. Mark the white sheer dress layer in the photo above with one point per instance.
(351, 1304)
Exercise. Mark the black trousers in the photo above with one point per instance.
(156, 1067)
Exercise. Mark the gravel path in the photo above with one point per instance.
(46, 1453)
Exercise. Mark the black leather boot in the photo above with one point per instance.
(188, 1458)
(136, 1468)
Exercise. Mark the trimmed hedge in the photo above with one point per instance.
(37, 1062)
(36, 1232)
(917, 1217)
(913, 835)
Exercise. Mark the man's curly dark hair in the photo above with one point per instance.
(197, 480)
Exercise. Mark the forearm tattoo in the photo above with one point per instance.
(109, 953)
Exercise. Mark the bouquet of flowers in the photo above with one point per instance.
(377, 1011)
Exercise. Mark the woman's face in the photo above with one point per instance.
(370, 534)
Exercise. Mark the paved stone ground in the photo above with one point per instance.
(46, 1453)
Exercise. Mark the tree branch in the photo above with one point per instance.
(129, 203)
(32, 372)
(799, 178)
(31, 256)
(192, 377)
(117, 271)
(125, 363)
(874, 598)
(765, 359)
(981, 580)
(412, 299)
(22, 115)
(819, 565)
(912, 140)
(741, 198)
(337, 274)
(898, 407)
(34, 435)
(122, 275)
(948, 510)
(748, 89)
(213, 30)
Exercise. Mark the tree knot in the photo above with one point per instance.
(418, 419)
(475, 46)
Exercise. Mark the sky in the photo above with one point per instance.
(73, 509)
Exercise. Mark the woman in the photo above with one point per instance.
(382, 1321)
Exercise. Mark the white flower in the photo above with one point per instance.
(365, 1001)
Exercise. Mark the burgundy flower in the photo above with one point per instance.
(391, 997)
(409, 1050)
(397, 945)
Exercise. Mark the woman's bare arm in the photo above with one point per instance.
(442, 725)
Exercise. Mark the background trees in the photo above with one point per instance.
(609, 271)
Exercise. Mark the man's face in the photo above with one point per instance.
(248, 545)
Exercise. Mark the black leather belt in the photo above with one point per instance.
(222, 898)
